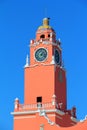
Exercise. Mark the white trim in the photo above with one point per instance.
(60, 112)
(53, 60)
(34, 44)
(82, 120)
(34, 112)
(31, 66)
(24, 112)
(51, 110)
(43, 42)
(74, 119)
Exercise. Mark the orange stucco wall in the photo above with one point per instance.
(33, 122)
(39, 81)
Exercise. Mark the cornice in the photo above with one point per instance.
(34, 112)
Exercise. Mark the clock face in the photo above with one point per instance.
(57, 56)
(41, 54)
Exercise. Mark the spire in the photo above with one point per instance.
(27, 61)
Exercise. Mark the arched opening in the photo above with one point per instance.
(42, 36)
(48, 35)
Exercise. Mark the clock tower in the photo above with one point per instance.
(45, 96)
(45, 77)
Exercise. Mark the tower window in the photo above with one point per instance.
(42, 36)
(48, 35)
(39, 99)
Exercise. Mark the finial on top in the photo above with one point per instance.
(46, 21)
(45, 24)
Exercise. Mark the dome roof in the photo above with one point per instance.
(45, 24)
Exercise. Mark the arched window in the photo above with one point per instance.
(48, 35)
(42, 36)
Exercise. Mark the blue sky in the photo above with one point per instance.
(19, 21)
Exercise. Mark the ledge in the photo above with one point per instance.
(23, 112)
(34, 112)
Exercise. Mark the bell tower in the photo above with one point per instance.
(44, 85)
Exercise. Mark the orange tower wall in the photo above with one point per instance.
(39, 82)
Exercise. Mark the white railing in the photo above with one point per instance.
(35, 106)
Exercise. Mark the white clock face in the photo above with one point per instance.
(41, 54)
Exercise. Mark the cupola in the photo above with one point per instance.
(45, 31)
